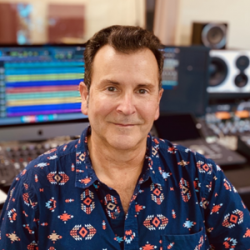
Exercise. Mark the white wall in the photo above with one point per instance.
(98, 14)
(235, 13)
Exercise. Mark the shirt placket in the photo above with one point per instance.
(131, 237)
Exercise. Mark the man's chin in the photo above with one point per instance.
(124, 142)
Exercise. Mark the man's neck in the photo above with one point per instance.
(113, 166)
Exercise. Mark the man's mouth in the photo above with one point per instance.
(124, 125)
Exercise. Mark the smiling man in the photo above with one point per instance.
(117, 187)
(122, 104)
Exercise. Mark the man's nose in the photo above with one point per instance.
(127, 104)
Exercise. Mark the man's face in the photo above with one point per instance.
(123, 100)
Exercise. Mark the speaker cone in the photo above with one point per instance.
(242, 63)
(241, 80)
(214, 36)
(218, 71)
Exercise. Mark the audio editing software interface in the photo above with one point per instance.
(40, 84)
(170, 68)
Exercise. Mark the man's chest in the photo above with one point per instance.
(83, 220)
(125, 195)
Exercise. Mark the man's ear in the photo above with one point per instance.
(84, 97)
(157, 113)
(160, 94)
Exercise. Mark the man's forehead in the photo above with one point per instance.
(109, 51)
(110, 62)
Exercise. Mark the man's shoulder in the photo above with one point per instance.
(176, 154)
(48, 161)
(172, 147)
(58, 152)
(184, 165)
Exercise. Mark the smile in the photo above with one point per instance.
(124, 125)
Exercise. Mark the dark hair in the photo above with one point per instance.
(123, 39)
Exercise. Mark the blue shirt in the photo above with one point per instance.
(181, 201)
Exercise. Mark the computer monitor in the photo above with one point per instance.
(185, 79)
(39, 97)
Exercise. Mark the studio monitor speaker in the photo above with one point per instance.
(212, 35)
(229, 71)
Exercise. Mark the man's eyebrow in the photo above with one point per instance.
(146, 85)
(139, 85)
(110, 81)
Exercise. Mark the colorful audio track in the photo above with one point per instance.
(39, 90)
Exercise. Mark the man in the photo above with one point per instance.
(117, 187)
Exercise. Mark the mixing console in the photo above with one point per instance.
(227, 126)
(230, 124)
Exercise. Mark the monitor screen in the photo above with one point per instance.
(39, 90)
(185, 80)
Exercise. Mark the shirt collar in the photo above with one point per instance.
(153, 161)
(85, 174)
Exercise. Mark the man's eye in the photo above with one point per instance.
(142, 91)
(111, 89)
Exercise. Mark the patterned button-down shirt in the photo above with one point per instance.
(181, 201)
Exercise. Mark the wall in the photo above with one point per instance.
(98, 14)
(165, 21)
(235, 13)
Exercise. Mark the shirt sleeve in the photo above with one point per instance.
(18, 221)
(227, 218)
